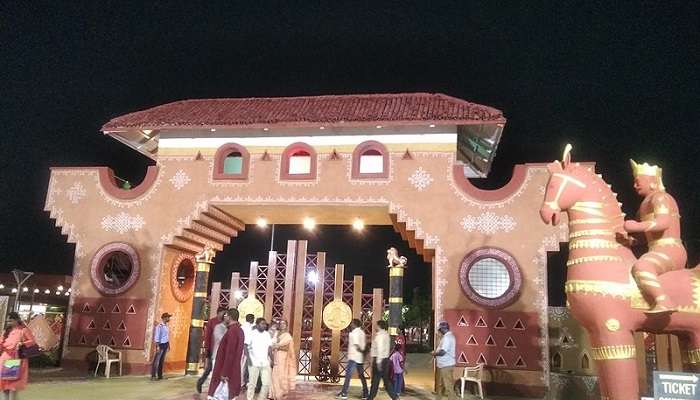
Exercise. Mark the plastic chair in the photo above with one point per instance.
(473, 374)
(103, 353)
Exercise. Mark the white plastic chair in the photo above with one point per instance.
(103, 353)
(473, 374)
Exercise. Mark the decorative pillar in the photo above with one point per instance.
(396, 266)
(194, 345)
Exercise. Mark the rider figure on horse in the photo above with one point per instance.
(660, 223)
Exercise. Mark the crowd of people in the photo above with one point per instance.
(255, 357)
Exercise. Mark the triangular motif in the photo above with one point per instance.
(92, 325)
(266, 156)
(407, 155)
(127, 342)
(500, 362)
(520, 363)
(481, 359)
(334, 155)
(112, 342)
(463, 358)
(510, 344)
(490, 341)
(83, 340)
(565, 339)
(101, 309)
(122, 326)
(97, 341)
(116, 309)
(519, 326)
(198, 157)
(472, 341)
(480, 323)
(86, 308)
(462, 321)
(131, 310)
(500, 324)
(107, 326)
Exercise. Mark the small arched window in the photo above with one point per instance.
(585, 362)
(298, 162)
(231, 162)
(556, 361)
(370, 160)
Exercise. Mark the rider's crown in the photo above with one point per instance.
(645, 169)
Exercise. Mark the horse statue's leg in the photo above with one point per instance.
(615, 359)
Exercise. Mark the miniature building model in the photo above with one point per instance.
(398, 159)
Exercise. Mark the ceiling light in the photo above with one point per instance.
(322, 128)
(14, 290)
(238, 294)
(358, 224)
(2, 286)
(66, 294)
(36, 290)
(266, 129)
(58, 293)
(47, 291)
(379, 127)
(309, 223)
(60, 287)
(213, 129)
(25, 289)
(312, 277)
(432, 125)
(261, 222)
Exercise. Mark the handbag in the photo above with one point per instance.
(221, 392)
(10, 369)
(29, 351)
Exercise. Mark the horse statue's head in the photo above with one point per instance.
(566, 186)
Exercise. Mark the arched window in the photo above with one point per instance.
(115, 268)
(585, 362)
(556, 361)
(182, 274)
(298, 162)
(231, 162)
(490, 277)
(370, 160)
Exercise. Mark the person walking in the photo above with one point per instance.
(445, 361)
(399, 368)
(357, 344)
(284, 369)
(380, 361)
(247, 327)
(208, 332)
(162, 340)
(259, 352)
(227, 358)
(15, 337)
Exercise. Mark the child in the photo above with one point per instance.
(399, 367)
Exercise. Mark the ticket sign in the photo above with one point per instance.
(676, 386)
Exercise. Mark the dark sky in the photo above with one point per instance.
(617, 81)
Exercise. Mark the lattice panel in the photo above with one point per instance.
(261, 286)
(278, 295)
(224, 298)
(304, 367)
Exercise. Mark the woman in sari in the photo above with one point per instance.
(284, 370)
(16, 336)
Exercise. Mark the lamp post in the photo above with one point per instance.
(396, 267)
(20, 278)
(204, 262)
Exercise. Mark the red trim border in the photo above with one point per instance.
(516, 281)
(220, 156)
(360, 150)
(111, 186)
(96, 273)
(288, 152)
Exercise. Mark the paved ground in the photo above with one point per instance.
(174, 388)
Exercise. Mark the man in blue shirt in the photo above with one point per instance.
(162, 339)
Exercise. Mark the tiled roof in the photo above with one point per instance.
(388, 109)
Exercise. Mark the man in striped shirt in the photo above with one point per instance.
(162, 340)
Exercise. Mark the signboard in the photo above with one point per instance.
(676, 386)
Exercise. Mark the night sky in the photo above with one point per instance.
(616, 81)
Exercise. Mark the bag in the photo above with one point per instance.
(221, 392)
(29, 351)
(10, 370)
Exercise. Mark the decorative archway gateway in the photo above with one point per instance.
(290, 158)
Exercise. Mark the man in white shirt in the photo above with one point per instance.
(259, 353)
(356, 348)
(381, 345)
(445, 361)
(247, 328)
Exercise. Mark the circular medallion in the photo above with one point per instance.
(337, 315)
(612, 324)
(250, 305)
(182, 274)
(115, 268)
(490, 277)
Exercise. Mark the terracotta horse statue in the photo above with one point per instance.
(601, 293)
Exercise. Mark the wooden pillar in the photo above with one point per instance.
(675, 348)
(318, 312)
(235, 287)
(641, 360)
(214, 298)
(357, 297)
(253, 280)
(289, 281)
(662, 361)
(337, 295)
(377, 308)
(300, 263)
(194, 344)
(270, 289)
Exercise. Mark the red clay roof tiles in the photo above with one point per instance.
(389, 109)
